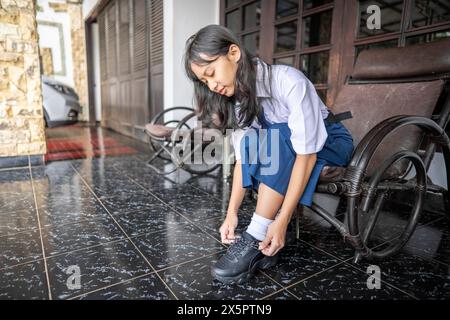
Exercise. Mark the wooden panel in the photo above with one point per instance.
(125, 103)
(124, 37)
(111, 44)
(113, 101)
(140, 81)
(132, 42)
(156, 89)
(335, 57)
(156, 84)
(156, 31)
(102, 40)
(105, 104)
(139, 98)
(140, 39)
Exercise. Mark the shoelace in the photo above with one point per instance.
(237, 248)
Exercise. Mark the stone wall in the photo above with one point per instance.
(74, 9)
(58, 7)
(21, 114)
(47, 61)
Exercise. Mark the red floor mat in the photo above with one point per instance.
(75, 142)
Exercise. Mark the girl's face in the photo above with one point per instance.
(220, 74)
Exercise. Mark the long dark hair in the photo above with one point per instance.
(213, 109)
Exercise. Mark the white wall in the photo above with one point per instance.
(88, 5)
(182, 19)
(96, 65)
(49, 38)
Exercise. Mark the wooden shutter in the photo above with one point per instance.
(156, 30)
(102, 40)
(156, 49)
(140, 43)
(111, 45)
(124, 37)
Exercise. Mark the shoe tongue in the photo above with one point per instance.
(247, 236)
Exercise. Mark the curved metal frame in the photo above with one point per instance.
(420, 188)
(159, 115)
(352, 186)
(179, 163)
(165, 144)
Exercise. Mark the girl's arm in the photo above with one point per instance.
(237, 191)
(237, 195)
(276, 233)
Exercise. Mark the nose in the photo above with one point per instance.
(213, 85)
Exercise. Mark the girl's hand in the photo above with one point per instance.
(275, 238)
(227, 229)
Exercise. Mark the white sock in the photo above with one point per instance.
(258, 227)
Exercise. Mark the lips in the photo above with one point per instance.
(222, 91)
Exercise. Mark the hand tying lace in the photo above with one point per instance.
(237, 249)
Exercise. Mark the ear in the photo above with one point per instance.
(234, 53)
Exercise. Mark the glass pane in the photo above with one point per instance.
(286, 35)
(322, 93)
(317, 29)
(308, 4)
(390, 17)
(290, 61)
(286, 8)
(426, 12)
(230, 3)
(384, 44)
(252, 14)
(315, 66)
(429, 37)
(251, 42)
(233, 21)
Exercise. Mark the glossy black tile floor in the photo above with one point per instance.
(133, 234)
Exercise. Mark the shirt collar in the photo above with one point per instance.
(262, 80)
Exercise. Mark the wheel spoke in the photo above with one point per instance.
(374, 217)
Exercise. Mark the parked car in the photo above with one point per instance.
(61, 103)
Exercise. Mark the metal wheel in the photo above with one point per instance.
(188, 150)
(379, 193)
(156, 145)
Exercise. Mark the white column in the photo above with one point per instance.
(182, 19)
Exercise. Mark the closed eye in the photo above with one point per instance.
(209, 72)
(209, 76)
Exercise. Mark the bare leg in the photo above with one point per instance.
(269, 202)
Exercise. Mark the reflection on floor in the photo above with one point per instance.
(76, 142)
(132, 234)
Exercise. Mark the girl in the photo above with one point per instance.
(275, 111)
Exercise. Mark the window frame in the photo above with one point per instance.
(343, 39)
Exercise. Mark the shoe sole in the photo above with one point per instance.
(262, 264)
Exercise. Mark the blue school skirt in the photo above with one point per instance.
(337, 151)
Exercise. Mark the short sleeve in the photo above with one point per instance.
(308, 132)
(236, 137)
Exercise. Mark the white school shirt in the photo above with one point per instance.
(294, 101)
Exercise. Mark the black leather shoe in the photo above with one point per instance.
(240, 262)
